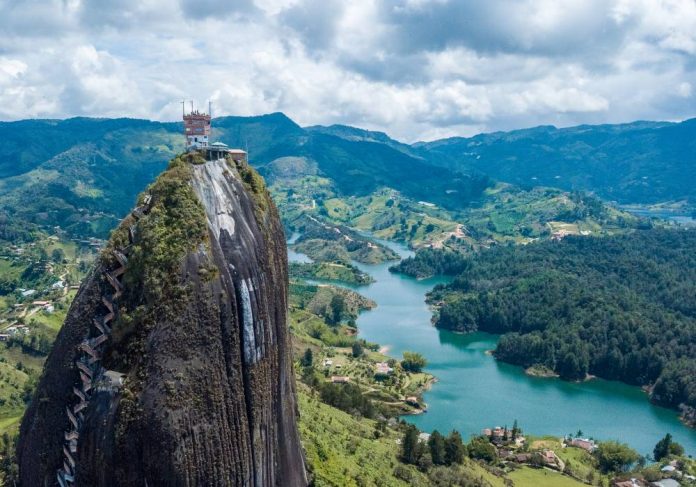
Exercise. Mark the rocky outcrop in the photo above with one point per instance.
(189, 381)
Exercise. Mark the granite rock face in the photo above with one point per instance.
(193, 384)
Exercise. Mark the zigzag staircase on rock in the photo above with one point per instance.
(90, 352)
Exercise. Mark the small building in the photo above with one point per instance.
(559, 235)
(548, 456)
(627, 483)
(423, 437)
(216, 150)
(487, 432)
(16, 329)
(498, 434)
(382, 368)
(4, 337)
(523, 457)
(413, 401)
(584, 443)
(237, 155)
(328, 362)
(340, 379)
(666, 483)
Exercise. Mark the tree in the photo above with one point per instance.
(57, 255)
(307, 359)
(454, 448)
(676, 449)
(409, 446)
(357, 349)
(666, 447)
(337, 305)
(515, 430)
(480, 448)
(413, 362)
(615, 457)
(436, 443)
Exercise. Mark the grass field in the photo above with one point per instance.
(52, 321)
(538, 477)
(9, 424)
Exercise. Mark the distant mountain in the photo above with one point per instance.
(640, 162)
(358, 161)
(69, 172)
(81, 173)
(355, 134)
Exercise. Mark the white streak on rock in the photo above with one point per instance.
(248, 324)
(210, 185)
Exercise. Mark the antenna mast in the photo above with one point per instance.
(191, 106)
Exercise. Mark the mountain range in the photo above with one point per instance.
(81, 173)
(640, 162)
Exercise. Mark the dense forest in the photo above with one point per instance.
(621, 308)
(432, 262)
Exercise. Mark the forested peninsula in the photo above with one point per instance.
(620, 308)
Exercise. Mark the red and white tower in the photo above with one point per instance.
(196, 129)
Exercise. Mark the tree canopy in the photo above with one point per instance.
(413, 362)
(622, 308)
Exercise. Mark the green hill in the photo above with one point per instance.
(640, 162)
(82, 173)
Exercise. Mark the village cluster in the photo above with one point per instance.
(21, 305)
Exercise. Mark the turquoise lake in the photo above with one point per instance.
(475, 391)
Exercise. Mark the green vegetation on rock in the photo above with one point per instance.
(174, 225)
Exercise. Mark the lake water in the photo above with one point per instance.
(670, 216)
(475, 391)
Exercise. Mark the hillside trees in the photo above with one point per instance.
(613, 456)
(622, 308)
(666, 447)
(413, 362)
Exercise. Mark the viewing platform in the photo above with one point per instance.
(218, 150)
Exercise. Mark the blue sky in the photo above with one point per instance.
(417, 69)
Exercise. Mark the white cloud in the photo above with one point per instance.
(11, 68)
(416, 69)
(684, 89)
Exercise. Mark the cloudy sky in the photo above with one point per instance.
(417, 69)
